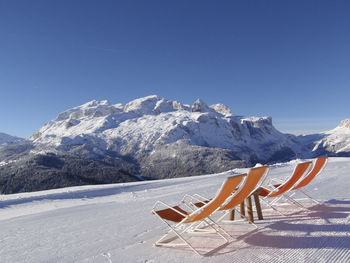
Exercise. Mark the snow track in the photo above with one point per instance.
(113, 223)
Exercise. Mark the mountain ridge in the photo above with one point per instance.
(152, 138)
(8, 139)
(152, 121)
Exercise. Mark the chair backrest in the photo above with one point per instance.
(299, 170)
(223, 193)
(249, 185)
(319, 165)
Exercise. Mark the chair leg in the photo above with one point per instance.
(295, 202)
(232, 215)
(159, 243)
(179, 235)
(274, 208)
(211, 225)
(247, 219)
(258, 206)
(250, 209)
(303, 192)
(231, 221)
(242, 210)
(223, 230)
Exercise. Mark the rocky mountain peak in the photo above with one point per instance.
(143, 105)
(199, 106)
(345, 123)
(222, 109)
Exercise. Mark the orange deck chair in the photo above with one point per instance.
(253, 181)
(318, 167)
(175, 216)
(278, 191)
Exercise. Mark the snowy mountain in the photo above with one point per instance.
(152, 124)
(5, 138)
(335, 142)
(151, 138)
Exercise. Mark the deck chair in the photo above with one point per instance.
(253, 181)
(277, 191)
(318, 167)
(176, 217)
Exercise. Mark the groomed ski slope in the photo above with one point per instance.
(113, 223)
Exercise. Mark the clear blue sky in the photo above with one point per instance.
(285, 59)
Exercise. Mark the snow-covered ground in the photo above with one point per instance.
(113, 223)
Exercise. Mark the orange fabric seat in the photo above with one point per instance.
(263, 191)
(287, 185)
(170, 214)
(254, 176)
(320, 163)
(181, 216)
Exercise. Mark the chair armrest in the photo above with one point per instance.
(201, 197)
(275, 181)
(193, 198)
(184, 199)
